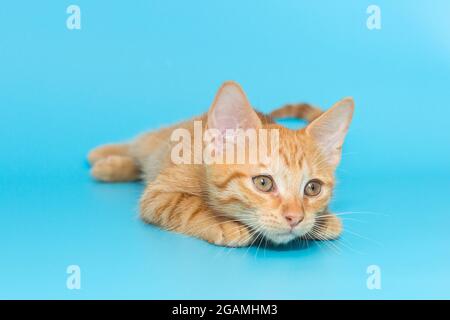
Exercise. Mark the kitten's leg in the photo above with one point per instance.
(188, 214)
(328, 227)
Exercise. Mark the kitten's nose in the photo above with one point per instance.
(293, 219)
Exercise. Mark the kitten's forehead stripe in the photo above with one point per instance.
(291, 150)
(235, 175)
(263, 166)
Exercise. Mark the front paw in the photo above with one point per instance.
(231, 234)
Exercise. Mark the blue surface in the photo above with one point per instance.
(140, 65)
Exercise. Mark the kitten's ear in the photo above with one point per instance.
(329, 130)
(232, 110)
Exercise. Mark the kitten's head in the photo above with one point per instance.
(282, 197)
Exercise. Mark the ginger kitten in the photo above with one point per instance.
(233, 204)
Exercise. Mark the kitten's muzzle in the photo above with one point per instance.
(293, 219)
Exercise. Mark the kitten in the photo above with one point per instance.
(235, 204)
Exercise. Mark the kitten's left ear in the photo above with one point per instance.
(329, 130)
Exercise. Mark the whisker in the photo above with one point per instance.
(362, 237)
(361, 212)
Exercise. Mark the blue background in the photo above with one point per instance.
(139, 65)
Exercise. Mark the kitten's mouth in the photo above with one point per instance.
(282, 237)
(287, 236)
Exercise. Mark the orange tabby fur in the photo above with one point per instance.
(218, 202)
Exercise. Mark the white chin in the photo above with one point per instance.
(282, 238)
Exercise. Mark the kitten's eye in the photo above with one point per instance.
(313, 188)
(263, 183)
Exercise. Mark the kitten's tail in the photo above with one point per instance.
(300, 111)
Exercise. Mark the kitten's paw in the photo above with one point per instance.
(231, 234)
(328, 227)
(115, 168)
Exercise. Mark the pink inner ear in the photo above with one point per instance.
(330, 129)
(232, 110)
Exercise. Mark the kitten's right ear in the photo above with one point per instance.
(232, 110)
